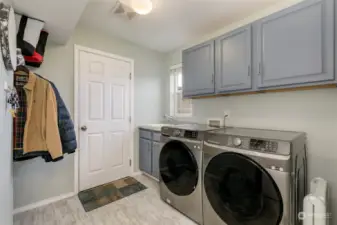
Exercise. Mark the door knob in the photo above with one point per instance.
(84, 128)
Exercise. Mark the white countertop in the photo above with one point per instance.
(152, 127)
(157, 127)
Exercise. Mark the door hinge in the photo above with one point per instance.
(130, 162)
(130, 76)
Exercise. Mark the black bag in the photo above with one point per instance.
(32, 45)
(37, 58)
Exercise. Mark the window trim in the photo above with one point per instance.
(173, 108)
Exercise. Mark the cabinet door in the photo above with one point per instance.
(198, 70)
(296, 45)
(233, 60)
(145, 155)
(156, 148)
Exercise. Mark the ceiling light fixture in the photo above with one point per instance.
(142, 7)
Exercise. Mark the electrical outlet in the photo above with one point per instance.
(226, 114)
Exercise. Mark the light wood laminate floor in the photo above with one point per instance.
(143, 208)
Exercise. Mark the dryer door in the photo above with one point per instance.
(241, 191)
(178, 168)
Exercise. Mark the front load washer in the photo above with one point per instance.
(253, 177)
(180, 168)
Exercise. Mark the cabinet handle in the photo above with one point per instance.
(212, 78)
(249, 71)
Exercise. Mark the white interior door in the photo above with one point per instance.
(104, 110)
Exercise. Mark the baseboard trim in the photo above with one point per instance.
(136, 173)
(42, 203)
(150, 176)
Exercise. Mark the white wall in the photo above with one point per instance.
(6, 178)
(6, 162)
(314, 112)
(36, 180)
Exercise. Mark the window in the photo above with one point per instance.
(179, 107)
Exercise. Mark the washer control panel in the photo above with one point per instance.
(176, 133)
(262, 145)
(185, 134)
(237, 142)
(191, 134)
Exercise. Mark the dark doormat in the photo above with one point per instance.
(105, 194)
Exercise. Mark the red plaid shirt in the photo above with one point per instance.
(21, 113)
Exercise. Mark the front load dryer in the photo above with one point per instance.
(253, 177)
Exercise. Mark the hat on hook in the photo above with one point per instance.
(8, 36)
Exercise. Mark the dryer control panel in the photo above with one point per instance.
(253, 144)
(248, 143)
(258, 140)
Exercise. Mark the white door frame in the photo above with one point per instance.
(77, 49)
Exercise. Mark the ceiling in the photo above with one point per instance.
(61, 17)
(172, 23)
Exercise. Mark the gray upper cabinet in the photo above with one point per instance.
(296, 45)
(198, 70)
(233, 59)
(145, 155)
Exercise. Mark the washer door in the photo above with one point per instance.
(241, 191)
(178, 168)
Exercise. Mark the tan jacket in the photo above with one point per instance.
(41, 128)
